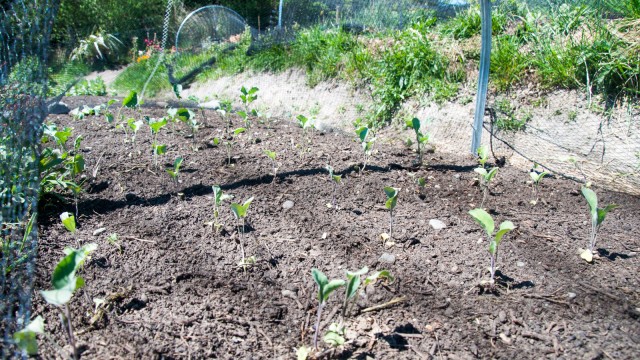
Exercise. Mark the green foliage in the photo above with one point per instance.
(483, 155)
(25, 339)
(64, 279)
(508, 64)
(174, 172)
(68, 221)
(366, 142)
(241, 210)
(597, 216)
(390, 204)
(95, 87)
(421, 138)
(95, 46)
(536, 178)
(469, 23)
(325, 288)
(486, 222)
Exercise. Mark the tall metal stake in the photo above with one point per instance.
(483, 77)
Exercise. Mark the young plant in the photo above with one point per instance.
(218, 197)
(247, 97)
(483, 155)
(485, 179)
(392, 200)
(486, 222)
(354, 281)
(536, 177)
(366, 142)
(325, 288)
(597, 218)
(65, 283)
(135, 126)
(336, 179)
(224, 110)
(230, 141)
(305, 123)
(113, 240)
(68, 221)
(240, 212)
(156, 125)
(272, 156)
(175, 171)
(421, 139)
(25, 339)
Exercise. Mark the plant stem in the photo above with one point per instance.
(493, 269)
(333, 200)
(72, 340)
(241, 238)
(391, 224)
(315, 336)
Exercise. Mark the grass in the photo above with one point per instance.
(570, 45)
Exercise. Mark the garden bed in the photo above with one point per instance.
(174, 289)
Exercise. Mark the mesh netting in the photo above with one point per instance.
(24, 35)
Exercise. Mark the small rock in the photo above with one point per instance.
(505, 339)
(363, 325)
(454, 269)
(387, 258)
(287, 205)
(571, 295)
(99, 231)
(457, 176)
(162, 104)
(520, 264)
(437, 224)
(58, 108)
(144, 298)
(502, 316)
(289, 294)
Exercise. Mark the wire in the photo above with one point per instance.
(165, 34)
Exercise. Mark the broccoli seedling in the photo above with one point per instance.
(218, 197)
(65, 283)
(597, 218)
(68, 221)
(325, 288)
(483, 155)
(485, 179)
(366, 142)
(486, 222)
(390, 204)
(174, 172)
(421, 138)
(336, 179)
(135, 126)
(25, 339)
(247, 97)
(536, 177)
(272, 156)
(240, 212)
(156, 125)
(230, 141)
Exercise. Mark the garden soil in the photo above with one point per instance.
(173, 288)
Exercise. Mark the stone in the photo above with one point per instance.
(288, 205)
(437, 224)
(571, 295)
(520, 264)
(289, 294)
(99, 231)
(502, 316)
(387, 258)
(58, 108)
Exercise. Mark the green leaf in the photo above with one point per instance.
(303, 353)
(483, 153)
(26, 338)
(334, 337)
(382, 274)
(422, 182)
(602, 213)
(592, 200)
(177, 163)
(391, 192)
(353, 281)
(157, 124)
(505, 227)
(239, 131)
(64, 274)
(362, 133)
(57, 297)
(337, 178)
(415, 125)
(270, 154)
(537, 177)
(482, 171)
(332, 286)
(391, 203)
(240, 211)
(492, 173)
(302, 120)
(131, 100)
(319, 277)
(78, 164)
(68, 221)
(184, 114)
(484, 219)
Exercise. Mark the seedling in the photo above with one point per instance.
(224, 110)
(421, 139)
(366, 142)
(247, 97)
(156, 125)
(25, 339)
(230, 141)
(113, 240)
(65, 283)
(250, 261)
(537, 177)
(272, 156)
(392, 200)
(334, 335)
(305, 123)
(175, 171)
(135, 126)
(336, 179)
(241, 211)
(485, 179)
(483, 155)
(69, 222)
(218, 197)
(597, 218)
(325, 288)
(486, 222)
(354, 282)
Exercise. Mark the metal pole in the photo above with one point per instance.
(280, 15)
(483, 77)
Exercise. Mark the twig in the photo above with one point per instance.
(138, 239)
(532, 335)
(548, 298)
(613, 297)
(387, 304)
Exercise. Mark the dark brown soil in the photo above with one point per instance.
(176, 291)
